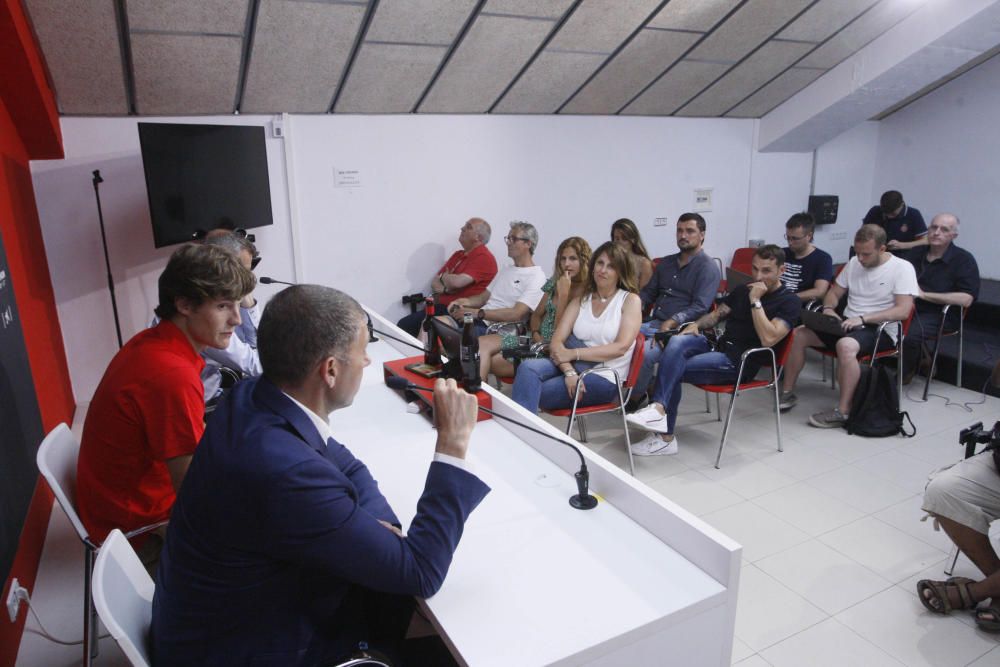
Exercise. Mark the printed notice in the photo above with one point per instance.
(703, 200)
(346, 178)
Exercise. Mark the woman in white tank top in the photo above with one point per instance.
(597, 330)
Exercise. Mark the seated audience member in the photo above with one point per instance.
(880, 287)
(964, 499)
(626, 234)
(758, 314)
(681, 290)
(597, 330)
(148, 411)
(514, 292)
(946, 274)
(904, 226)
(466, 273)
(567, 283)
(808, 270)
(281, 549)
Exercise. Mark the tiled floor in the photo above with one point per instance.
(831, 530)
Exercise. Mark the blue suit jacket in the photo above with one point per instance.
(272, 526)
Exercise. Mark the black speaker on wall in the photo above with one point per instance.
(203, 176)
(823, 208)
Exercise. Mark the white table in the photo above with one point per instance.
(637, 580)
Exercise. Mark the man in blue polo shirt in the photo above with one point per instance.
(808, 270)
(946, 274)
(904, 226)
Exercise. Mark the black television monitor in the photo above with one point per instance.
(199, 177)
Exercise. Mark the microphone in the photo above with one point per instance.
(264, 280)
(581, 501)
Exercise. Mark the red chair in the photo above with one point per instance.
(778, 357)
(624, 393)
(896, 352)
(743, 260)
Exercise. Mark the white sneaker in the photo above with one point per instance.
(649, 418)
(654, 445)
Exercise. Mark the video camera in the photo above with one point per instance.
(414, 301)
(976, 435)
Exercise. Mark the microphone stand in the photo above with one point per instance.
(582, 500)
(107, 262)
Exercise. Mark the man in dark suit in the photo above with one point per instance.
(281, 549)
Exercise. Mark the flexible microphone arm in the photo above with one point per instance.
(582, 501)
(264, 280)
(398, 340)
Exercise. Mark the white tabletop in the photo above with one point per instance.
(534, 581)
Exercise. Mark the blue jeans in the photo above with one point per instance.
(540, 384)
(688, 359)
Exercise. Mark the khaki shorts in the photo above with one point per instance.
(967, 492)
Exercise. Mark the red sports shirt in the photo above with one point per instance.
(478, 263)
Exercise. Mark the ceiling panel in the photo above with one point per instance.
(825, 18)
(551, 9)
(601, 25)
(299, 53)
(419, 21)
(171, 77)
(80, 43)
(202, 16)
(389, 78)
(549, 81)
(775, 93)
(675, 88)
(747, 29)
(492, 53)
(698, 15)
(851, 39)
(645, 58)
(766, 63)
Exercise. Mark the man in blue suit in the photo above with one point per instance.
(281, 550)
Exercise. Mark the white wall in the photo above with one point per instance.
(941, 153)
(422, 177)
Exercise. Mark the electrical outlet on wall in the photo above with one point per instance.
(660, 222)
(838, 236)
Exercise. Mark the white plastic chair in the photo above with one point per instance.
(123, 596)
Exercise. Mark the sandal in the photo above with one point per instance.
(991, 624)
(937, 601)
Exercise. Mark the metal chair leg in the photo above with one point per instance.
(708, 407)
(725, 428)
(961, 346)
(934, 358)
(718, 408)
(954, 561)
(777, 412)
(90, 639)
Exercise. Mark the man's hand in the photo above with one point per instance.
(851, 323)
(391, 527)
(690, 329)
(571, 382)
(667, 325)
(757, 290)
(458, 307)
(454, 417)
(893, 244)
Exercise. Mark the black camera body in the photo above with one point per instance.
(414, 301)
(976, 435)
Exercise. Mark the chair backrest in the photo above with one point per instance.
(908, 321)
(634, 366)
(123, 597)
(743, 259)
(56, 461)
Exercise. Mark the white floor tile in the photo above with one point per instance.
(991, 659)
(897, 623)
(900, 468)
(883, 549)
(760, 532)
(754, 661)
(860, 489)
(849, 448)
(907, 515)
(825, 577)
(767, 612)
(828, 644)
(808, 509)
(696, 493)
(740, 650)
(800, 461)
(746, 476)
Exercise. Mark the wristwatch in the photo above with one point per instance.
(570, 373)
(757, 304)
(481, 315)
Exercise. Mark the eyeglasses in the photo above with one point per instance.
(510, 239)
(794, 238)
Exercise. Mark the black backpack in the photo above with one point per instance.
(875, 408)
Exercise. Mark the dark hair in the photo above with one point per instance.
(620, 262)
(870, 233)
(804, 220)
(631, 232)
(771, 251)
(890, 201)
(582, 249)
(685, 217)
(301, 326)
(200, 273)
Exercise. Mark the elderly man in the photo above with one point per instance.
(880, 287)
(808, 270)
(281, 549)
(514, 292)
(904, 226)
(466, 273)
(946, 274)
(148, 412)
(681, 290)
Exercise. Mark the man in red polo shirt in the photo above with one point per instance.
(148, 412)
(466, 273)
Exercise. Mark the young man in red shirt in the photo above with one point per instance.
(148, 412)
